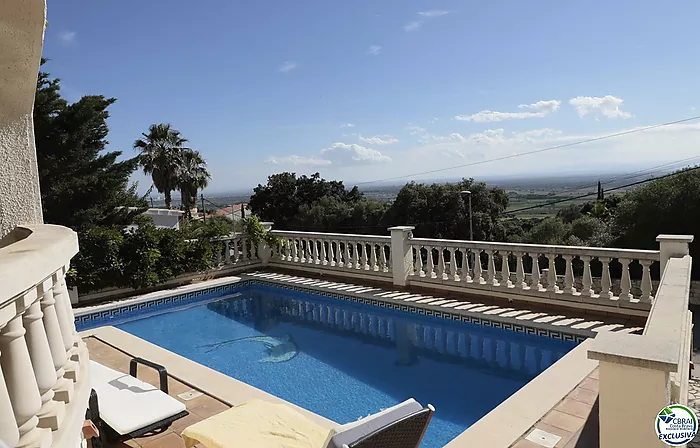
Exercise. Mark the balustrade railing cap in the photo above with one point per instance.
(676, 238)
(402, 228)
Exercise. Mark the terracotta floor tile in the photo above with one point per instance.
(575, 408)
(584, 395)
(146, 439)
(590, 384)
(563, 421)
(171, 440)
(595, 374)
(208, 408)
(180, 424)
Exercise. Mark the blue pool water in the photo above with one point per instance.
(345, 360)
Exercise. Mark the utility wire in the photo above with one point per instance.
(592, 194)
(537, 151)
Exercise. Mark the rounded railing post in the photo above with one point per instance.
(505, 270)
(536, 276)
(587, 280)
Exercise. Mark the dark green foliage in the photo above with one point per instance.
(81, 183)
(440, 211)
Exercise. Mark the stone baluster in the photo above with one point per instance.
(9, 433)
(295, 250)
(65, 324)
(441, 264)
(536, 275)
(285, 249)
(552, 273)
(505, 270)
(363, 257)
(51, 413)
(491, 272)
(244, 249)
(478, 270)
(314, 252)
(587, 281)
(357, 255)
(454, 272)
(389, 258)
(348, 260)
(219, 257)
(331, 252)
(373, 259)
(569, 275)
(20, 380)
(646, 281)
(304, 251)
(227, 252)
(466, 274)
(625, 281)
(324, 252)
(382, 257)
(605, 283)
(520, 271)
(431, 263)
(65, 300)
(417, 262)
(63, 389)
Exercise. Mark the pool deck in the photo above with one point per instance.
(570, 413)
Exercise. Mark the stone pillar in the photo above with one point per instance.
(66, 326)
(673, 246)
(22, 34)
(9, 433)
(402, 255)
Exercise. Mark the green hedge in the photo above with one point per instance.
(145, 256)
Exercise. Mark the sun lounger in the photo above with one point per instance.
(261, 424)
(127, 406)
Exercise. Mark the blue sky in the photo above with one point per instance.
(363, 90)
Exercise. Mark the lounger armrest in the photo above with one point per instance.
(162, 372)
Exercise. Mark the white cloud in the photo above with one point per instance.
(415, 130)
(540, 110)
(413, 26)
(347, 125)
(288, 66)
(379, 140)
(349, 135)
(433, 13)
(374, 50)
(608, 106)
(296, 160)
(68, 36)
(353, 154)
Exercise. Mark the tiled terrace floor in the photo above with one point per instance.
(199, 408)
(574, 420)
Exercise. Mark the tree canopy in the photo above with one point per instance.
(82, 184)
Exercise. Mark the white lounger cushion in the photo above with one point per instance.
(353, 431)
(127, 404)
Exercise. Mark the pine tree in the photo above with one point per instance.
(82, 185)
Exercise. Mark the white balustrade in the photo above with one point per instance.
(520, 269)
(44, 375)
(239, 251)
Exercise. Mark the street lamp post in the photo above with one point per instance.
(471, 227)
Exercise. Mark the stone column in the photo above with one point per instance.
(21, 383)
(402, 254)
(51, 413)
(22, 29)
(673, 246)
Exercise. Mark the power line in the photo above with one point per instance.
(611, 189)
(537, 151)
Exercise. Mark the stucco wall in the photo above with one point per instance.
(22, 35)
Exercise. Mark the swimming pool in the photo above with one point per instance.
(344, 360)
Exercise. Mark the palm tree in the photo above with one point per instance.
(161, 156)
(192, 176)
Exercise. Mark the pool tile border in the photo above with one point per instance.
(104, 316)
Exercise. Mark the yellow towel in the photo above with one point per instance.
(258, 424)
